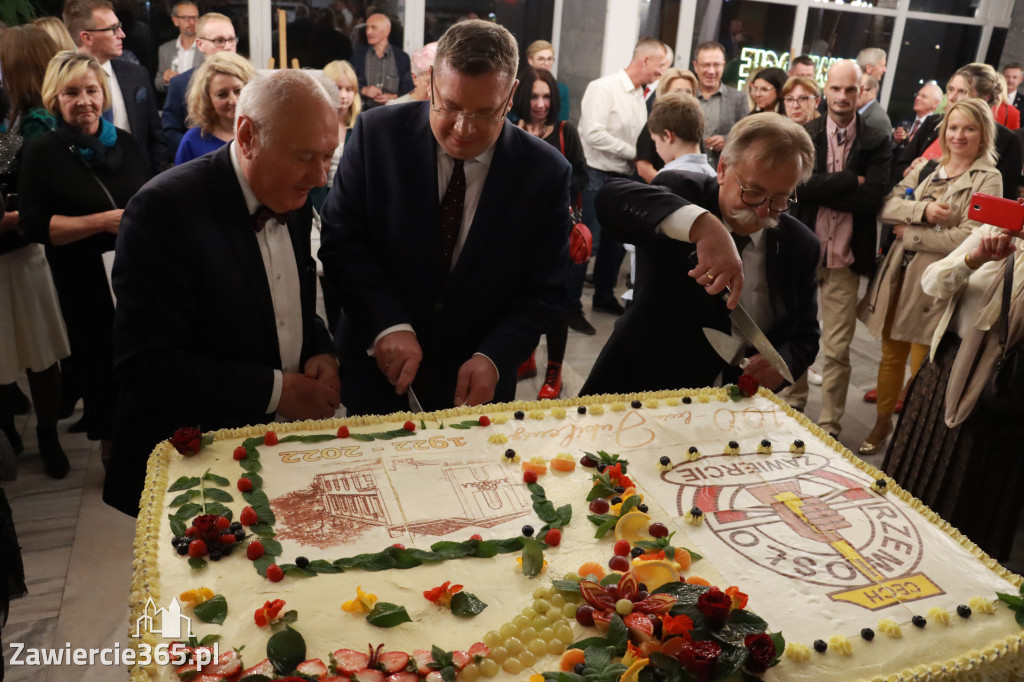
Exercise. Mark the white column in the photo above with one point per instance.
(260, 45)
(684, 33)
(622, 30)
(556, 34)
(413, 13)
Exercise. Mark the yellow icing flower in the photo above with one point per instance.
(672, 402)
(692, 454)
(939, 615)
(536, 414)
(650, 403)
(891, 628)
(197, 596)
(558, 412)
(797, 652)
(703, 398)
(363, 603)
(730, 450)
(497, 438)
(693, 519)
(840, 644)
(499, 419)
(617, 407)
(797, 447)
(982, 605)
(597, 410)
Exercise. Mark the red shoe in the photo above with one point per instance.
(552, 387)
(872, 396)
(528, 369)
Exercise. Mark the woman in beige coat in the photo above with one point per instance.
(961, 460)
(928, 211)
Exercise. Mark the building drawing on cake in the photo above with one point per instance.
(353, 494)
(170, 623)
(486, 495)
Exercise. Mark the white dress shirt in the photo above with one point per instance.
(283, 277)
(186, 56)
(612, 114)
(116, 99)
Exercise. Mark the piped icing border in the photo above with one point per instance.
(145, 568)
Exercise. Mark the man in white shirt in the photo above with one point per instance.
(181, 54)
(925, 103)
(216, 324)
(612, 114)
(97, 32)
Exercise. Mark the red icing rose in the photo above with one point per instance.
(715, 605)
(700, 658)
(187, 441)
(206, 524)
(748, 385)
(761, 650)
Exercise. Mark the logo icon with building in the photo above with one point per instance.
(173, 625)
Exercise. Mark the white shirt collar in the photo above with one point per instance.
(251, 202)
(485, 157)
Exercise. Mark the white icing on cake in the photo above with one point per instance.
(820, 553)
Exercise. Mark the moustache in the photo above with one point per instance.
(747, 216)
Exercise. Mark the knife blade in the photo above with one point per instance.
(728, 347)
(414, 402)
(746, 326)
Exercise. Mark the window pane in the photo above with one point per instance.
(754, 34)
(528, 20)
(841, 35)
(960, 8)
(659, 19)
(931, 50)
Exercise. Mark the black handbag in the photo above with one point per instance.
(1004, 391)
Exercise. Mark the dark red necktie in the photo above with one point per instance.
(913, 129)
(452, 205)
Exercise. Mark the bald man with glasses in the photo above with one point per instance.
(97, 31)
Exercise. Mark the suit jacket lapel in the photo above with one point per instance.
(502, 178)
(420, 190)
(232, 219)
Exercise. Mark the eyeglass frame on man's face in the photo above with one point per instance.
(113, 29)
(800, 99)
(790, 198)
(449, 114)
(220, 42)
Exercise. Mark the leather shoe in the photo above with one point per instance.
(578, 322)
(528, 369)
(552, 387)
(608, 305)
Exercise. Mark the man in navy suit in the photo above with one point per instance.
(216, 324)
(214, 33)
(446, 236)
(658, 342)
(96, 31)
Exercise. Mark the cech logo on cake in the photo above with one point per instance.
(800, 518)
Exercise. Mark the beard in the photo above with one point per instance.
(747, 216)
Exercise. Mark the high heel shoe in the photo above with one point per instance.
(867, 448)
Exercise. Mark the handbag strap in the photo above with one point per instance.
(561, 136)
(576, 204)
(92, 170)
(1004, 308)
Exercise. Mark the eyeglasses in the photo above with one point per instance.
(480, 117)
(753, 198)
(802, 99)
(113, 29)
(220, 42)
(761, 91)
(187, 17)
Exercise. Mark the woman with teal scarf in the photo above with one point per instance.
(73, 186)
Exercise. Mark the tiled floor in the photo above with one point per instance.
(78, 551)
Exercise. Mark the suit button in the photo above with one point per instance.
(926, 308)
(643, 214)
(438, 306)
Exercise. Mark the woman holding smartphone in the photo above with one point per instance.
(928, 212)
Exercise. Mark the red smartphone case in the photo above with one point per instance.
(996, 211)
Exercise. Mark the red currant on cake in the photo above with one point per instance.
(240, 453)
(553, 537)
(274, 573)
(621, 548)
(244, 485)
(343, 432)
(270, 438)
(248, 517)
(485, 420)
(196, 549)
(409, 426)
(530, 477)
(254, 551)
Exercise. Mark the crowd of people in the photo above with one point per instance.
(772, 197)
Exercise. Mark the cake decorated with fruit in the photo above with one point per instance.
(687, 535)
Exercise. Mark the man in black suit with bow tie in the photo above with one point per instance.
(658, 343)
(215, 284)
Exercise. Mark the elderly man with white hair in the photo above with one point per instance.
(383, 70)
(216, 324)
